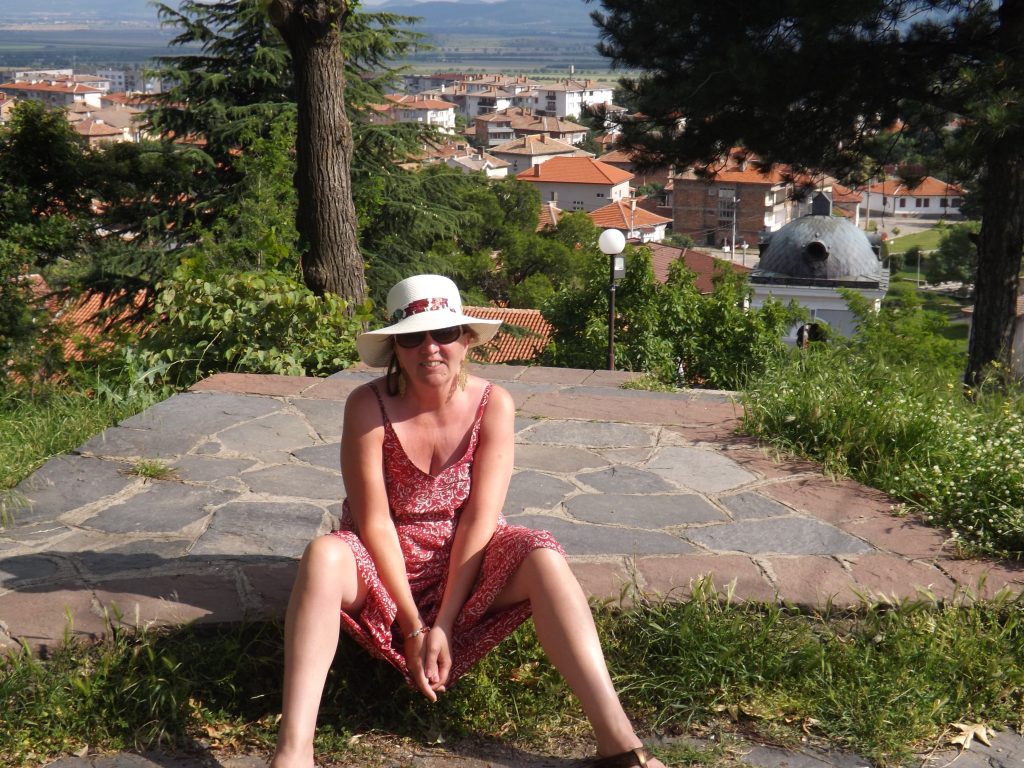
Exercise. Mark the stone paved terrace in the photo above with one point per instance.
(645, 491)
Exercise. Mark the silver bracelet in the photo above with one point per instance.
(416, 633)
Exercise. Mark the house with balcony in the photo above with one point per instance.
(514, 122)
(415, 109)
(528, 151)
(733, 194)
(494, 129)
(568, 98)
(578, 183)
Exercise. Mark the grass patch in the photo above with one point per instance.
(926, 240)
(35, 425)
(153, 470)
(907, 430)
(649, 383)
(882, 681)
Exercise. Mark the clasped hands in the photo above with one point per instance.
(428, 657)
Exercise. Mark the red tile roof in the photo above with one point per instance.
(414, 102)
(536, 144)
(739, 166)
(91, 128)
(616, 156)
(87, 317)
(841, 194)
(549, 216)
(620, 215)
(505, 348)
(575, 170)
(703, 264)
(51, 87)
(929, 186)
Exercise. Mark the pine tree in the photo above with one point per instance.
(813, 85)
(316, 65)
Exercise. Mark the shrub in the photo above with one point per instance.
(256, 322)
(667, 330)
(887, 407)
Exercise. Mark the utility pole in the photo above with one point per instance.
(732, 243)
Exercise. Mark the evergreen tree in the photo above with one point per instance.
(813, 85)
(313, 67)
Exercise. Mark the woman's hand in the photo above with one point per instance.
(415, 652)
(437, 658)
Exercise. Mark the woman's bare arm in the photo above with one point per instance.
(492, 470)
(362, 467)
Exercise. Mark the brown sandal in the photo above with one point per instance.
(634, 758)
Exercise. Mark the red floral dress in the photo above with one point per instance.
(426, 510)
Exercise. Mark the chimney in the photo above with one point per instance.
(536, 169)
(821, 205)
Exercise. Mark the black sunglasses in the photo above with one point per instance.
(439, 335)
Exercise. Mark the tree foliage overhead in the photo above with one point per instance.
(814, 85)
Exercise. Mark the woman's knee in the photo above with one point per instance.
(328, 562)
(545, 563)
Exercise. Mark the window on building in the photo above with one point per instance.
(726, 205)
(917, 202)
(927, 202)
(955, 203)
(943, 202)
(903, 202)
(577, 205)
(599, 194)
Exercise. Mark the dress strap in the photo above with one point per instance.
(380, 402)
(479, 417)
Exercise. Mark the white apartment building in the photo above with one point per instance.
(567, 98)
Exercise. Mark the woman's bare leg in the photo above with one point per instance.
(327, 581)
(565, 628)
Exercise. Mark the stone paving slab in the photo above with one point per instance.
(649, 492)
(646, 490)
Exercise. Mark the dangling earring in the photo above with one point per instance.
(394, 379)
(463, 376)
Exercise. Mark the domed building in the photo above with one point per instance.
(811, 258)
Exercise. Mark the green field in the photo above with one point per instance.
(926, 240)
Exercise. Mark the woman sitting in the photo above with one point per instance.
(424, 571)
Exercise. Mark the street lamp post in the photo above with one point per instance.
(612, 242)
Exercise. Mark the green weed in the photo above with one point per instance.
(881, 680)
(153, 470)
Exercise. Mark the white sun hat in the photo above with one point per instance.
(421, 303)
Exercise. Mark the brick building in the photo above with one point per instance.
(706, 203)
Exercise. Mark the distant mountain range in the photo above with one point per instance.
(507, 18)
(465, 17)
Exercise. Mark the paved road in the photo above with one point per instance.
(646, 491)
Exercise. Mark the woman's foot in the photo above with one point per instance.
(638, 757)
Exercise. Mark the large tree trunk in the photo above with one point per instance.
(1001, 242)
(999, 257)
(326, 218)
